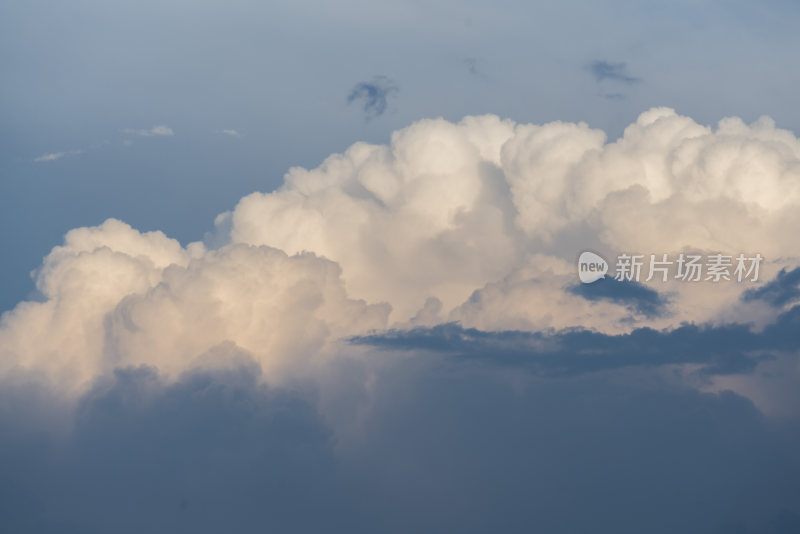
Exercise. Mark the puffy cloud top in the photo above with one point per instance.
(446, 208)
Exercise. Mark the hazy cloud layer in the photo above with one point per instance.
(436, 445)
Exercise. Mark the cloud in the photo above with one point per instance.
(395, 341)
(476, 222)
(486, 215)
(471, 64)
(232, 133)
(439, 445)
(616, 72)
(373, 95)
(212, 448)
(56, 155)
(783, 289)
(158, 130)
(639, 297)
(50, 157)
(724, 349)
(143, 299)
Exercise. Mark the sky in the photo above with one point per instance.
(285, 266)
(77, 74)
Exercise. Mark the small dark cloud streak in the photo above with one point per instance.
(782, 290)
(635, 296)
(605, 70)
(373, 95)
(726, 349)
(472, 66)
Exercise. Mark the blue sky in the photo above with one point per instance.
(312, 265)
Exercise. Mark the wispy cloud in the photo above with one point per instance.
(232, 133)
(158, 130)
(373, 95)
(606, 70)
(52, 156)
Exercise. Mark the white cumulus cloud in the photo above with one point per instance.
(478, 221)
(447, 208)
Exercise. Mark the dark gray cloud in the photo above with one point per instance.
(373, 95)
(725, 349)
(606, 70)
(213, 452)
(782, 290)
(635, 296)
(443, 446)
(487, 452)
